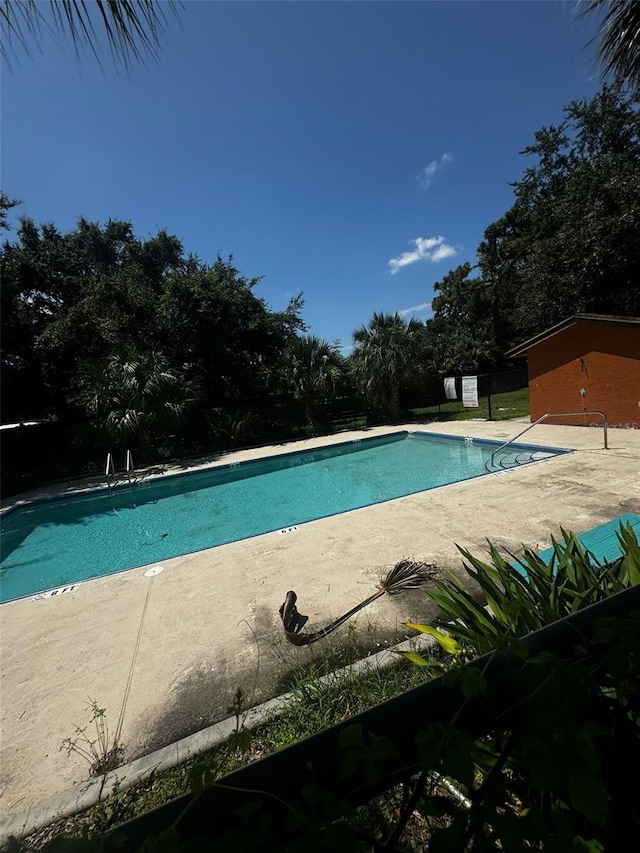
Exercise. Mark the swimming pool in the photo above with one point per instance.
(66, 540)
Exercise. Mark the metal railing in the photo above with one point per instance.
(129, 467)
(110, 471)
(605, 425)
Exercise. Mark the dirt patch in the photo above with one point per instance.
(199, 697)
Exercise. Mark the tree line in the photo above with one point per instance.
(570, 242)
(131, 342)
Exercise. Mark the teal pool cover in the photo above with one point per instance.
(602, 541)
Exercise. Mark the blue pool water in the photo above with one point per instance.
(66, 540)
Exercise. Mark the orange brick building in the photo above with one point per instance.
(588, 362)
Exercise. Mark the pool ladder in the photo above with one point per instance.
(110, 470)
(490, 463)
(129, 467)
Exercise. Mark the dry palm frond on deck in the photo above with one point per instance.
(405, 575)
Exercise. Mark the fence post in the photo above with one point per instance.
(489, 394)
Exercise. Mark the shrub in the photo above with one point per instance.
(529, 592)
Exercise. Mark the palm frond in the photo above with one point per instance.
(618, 37)
(136, 397)
(132, 27)
(405, 575)
(408, 574)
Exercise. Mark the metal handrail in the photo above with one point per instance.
(129, 466)
(605, 424)
(110, 471)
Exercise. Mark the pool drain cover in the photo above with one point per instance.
(154, 571)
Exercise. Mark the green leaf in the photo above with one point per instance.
(605, 630)
(459, 757)
(447, 643)
(340, 837)
(586, 845)
(240, 741)
(414, 657)
(434, 806)
(469, 679)
(631, 550)
(350, 764)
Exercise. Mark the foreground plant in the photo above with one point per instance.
(551, 771)
(529, 592)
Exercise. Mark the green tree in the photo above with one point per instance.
(99, 292)
(77, 297)
(461, 332)
(390, 355)
(137, 400)
(6, 204)
(569, 243)
(312, 369)
(221, 333)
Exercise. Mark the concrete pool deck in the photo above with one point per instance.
(165, 654)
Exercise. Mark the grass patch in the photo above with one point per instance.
(512, 404)
(297, 665)
(342, 424)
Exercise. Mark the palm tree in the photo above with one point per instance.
(132, 27)
(137, 400)
(312, 369)
(388, 356)
(618, 38)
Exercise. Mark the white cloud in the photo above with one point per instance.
(425, 177)
(415, 309)
(426, 249)
(443, 252)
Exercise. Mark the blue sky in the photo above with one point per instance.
(355, 151)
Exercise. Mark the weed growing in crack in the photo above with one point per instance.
(94, 742)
